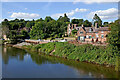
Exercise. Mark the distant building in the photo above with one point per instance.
(94, 33)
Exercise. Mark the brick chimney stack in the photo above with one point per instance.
(82, 25)
(96, 25)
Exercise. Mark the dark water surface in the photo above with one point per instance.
(18, 63)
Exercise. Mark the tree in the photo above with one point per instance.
(114, 41)
(105, 24)
(21, 24)
(14, 26)
(97, 19)
(75, 21)
(48, 19)
(39, 20)
(114, 35)
(81, 21)
(37, 31)
(25, 34)
(5, 27)
(87, 23)
(64, 19)
(74, 31)
(29, 25)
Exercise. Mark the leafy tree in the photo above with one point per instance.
(12, 34)
(48, 19)
(75, 21)
(21, 24)
(5, 27)
(22, 20)
(25, 34)
(74, 31)
(14, 26)
(114, 41)
(114, 35)
(38, 30)
(97, 19)
(105, 24)
(30, 24)
(64, 19)
(87, 23)
(81, 21)
(39, 20)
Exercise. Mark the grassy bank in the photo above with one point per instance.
(86, 53)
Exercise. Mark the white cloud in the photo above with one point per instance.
(69, 13)
(94, 1)
(24, 15)
(105, 14)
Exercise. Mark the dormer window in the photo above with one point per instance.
(102, 31)
(90, 30)
(81, 32)
(102, 36)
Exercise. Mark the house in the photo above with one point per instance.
(88, 34)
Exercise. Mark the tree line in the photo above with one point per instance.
(44, 28)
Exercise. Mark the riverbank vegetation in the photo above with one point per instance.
(86, 53)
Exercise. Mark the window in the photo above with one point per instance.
(87, 36)
(90, 30)
(102, 31)
(81, 32)
(97, 35)
(102, 36)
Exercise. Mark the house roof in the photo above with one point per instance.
(93, 29)
(89, 29)
(104, 29)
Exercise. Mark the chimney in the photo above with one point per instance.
(82, 25)
(96, 25)
(92, 25)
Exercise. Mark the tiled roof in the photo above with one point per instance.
(89, 29)
(92, 29)
(104, 29)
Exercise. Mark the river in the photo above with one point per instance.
(18, 63)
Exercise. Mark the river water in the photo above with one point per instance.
(18, 63)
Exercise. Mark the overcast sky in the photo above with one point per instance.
(107, 11)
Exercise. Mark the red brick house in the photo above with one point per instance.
(89, 34)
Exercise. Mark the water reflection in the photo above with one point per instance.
(75, 69)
